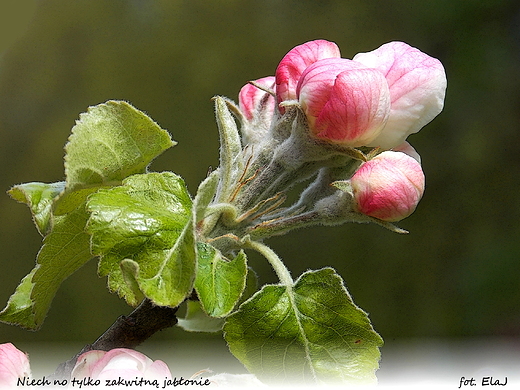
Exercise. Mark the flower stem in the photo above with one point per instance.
(279, 267)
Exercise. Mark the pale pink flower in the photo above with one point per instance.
(14, 364)
(296, 61)
(417, 85)
(345, 102)
(388, 187)
(119, 362)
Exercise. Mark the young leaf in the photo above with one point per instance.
(220, 282)
(146, 222)
(39, 197)
(196, 320)
(311, 331)
(112, 141)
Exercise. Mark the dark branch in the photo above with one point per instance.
(126, 332)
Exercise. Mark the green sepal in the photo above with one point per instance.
(205, 194)
(231, 155)
(145, 226)
(40, 198)
(343, 185)
(309, 332)
(220, 282)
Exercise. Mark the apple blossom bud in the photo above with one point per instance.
(417, 85)
(388, 187)
(296, 61)
(14, 364)
(345, 102)
(252, 99)
(119, 362)
(258, 108)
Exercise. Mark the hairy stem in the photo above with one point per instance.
(279, 267)
(126, 332)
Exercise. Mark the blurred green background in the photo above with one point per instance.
(456, 274)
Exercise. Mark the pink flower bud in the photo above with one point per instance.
(389, 186)
(296, 61)
(14, 364)
(252, 100)
(417, 88)
(345, 102)
(119, 362)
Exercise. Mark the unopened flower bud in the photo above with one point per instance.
(417, 85)
(258, 108)
(14, 364)
(388, 187)
(253, 100)
(296, 61)
(345, 102)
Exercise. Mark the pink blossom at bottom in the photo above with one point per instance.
(119, 362)
(14, 364)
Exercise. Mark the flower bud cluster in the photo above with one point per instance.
(342, 121)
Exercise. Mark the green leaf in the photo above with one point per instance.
(65, 249)
(196, 319)
(220, 282)
(109, 142)
(19, 307)
(146, 222)
(39, 197)
(205, 194)
(112, 141)
(308, 332)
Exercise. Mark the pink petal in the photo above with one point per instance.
(121, 359)
(316, 82)
(408, 149)
(417, 89)
(119, 362)
(14, 364)
(250, 97)
(344, 101)
(158, 369)
(85, 364)
(296, 61)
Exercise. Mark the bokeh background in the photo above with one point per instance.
(456, 276)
